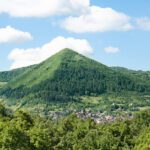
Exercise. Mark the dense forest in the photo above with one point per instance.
(7, 76)
(143, 76)
(21, 131)
(69, 74)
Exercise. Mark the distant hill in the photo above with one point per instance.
(7, 76)
(142, 76)
(68, 74)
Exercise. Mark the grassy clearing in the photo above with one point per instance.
(91, 99)
(2, 84)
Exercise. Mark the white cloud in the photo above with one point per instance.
(25, 57)
(42, 8)
(143, 23)
(111, 50)
(98, 20)
(9, 34)
(84, 17)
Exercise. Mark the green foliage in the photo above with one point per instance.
(2, 84)
(11, 138)
(2, 110)
(24, 132)
(143, 141)
(7, 76)
(143, 118)
(23, 120)
(142, 76)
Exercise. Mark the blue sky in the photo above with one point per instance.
(122, 40)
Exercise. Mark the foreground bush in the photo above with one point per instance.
(21, 131)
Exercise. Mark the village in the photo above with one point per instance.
(98, 117)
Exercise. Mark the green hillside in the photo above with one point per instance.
(68, 74)
(142, 76)
(7, 76)
(39, 73)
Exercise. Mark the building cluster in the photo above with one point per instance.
(98, 117)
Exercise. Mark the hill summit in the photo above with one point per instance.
(67, 74)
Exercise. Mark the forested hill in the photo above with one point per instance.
(142, 76)
(68, 74)
(7, 76)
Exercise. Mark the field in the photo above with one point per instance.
(2, 84)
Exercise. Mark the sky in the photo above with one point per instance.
(113, 32)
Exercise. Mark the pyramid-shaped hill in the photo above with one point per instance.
(67, 74)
